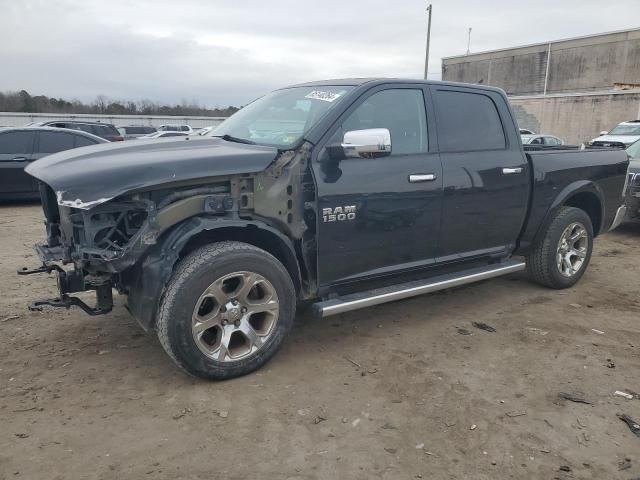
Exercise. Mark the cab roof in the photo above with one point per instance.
(373, 81)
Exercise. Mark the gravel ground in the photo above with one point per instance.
(404, 390)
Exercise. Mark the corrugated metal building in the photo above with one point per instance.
(572, 88)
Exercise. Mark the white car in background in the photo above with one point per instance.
(175, 128)
(541, 139)
(625, 132)
(163, 135)
(206, 130)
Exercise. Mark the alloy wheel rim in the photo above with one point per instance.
(235, 316)
(572, 249)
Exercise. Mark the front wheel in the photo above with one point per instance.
(562, 255)
(227, 309)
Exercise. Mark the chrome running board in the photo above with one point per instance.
(377, 296)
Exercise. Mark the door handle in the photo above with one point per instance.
(18, 159)
(422, 177)
(511, 171)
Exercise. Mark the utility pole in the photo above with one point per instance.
(469, 41)
(426, 59)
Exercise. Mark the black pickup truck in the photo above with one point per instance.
(343, 194)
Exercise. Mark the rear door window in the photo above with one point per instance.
(81, 141)
(82, 127)
(52, 142)
(104, 130)
(138, 130)
(467, 121)
(16, 143)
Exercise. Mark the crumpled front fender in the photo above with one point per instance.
(147, 279)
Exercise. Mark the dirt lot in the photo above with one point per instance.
(95, 398)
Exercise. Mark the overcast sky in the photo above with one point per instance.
(220, 52)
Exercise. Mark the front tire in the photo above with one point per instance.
(562, 255)
(226, 310)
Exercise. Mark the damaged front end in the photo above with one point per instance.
(132, 241)
(60, 249)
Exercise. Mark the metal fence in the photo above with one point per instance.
(16, 119)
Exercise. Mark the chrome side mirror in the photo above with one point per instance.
(368, 143)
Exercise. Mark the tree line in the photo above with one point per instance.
(22, 101)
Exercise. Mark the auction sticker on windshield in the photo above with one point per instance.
(324, 96)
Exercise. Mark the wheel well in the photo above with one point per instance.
(591, 205)
(252, 235)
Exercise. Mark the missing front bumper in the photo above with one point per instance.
(68, 282)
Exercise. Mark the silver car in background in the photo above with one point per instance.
(129, 132)
(162, 134)
(633, 182)
(541, 139)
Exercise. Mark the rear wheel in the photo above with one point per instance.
(561, 257)
(226, 311)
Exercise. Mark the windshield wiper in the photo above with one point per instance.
(230, 138)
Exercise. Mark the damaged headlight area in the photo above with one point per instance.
(105, 240)
(88, 239)
(105, 232)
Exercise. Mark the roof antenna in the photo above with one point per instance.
(469, 41)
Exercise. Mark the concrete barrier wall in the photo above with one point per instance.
(591, 63)
(16, 119)
(576, 118)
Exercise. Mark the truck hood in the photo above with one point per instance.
(626, 139)
(88, 176)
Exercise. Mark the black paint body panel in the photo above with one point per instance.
(473, 211)
(559, 175)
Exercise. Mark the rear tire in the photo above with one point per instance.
(226, 310)
(562, 255)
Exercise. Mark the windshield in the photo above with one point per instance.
(282, 117)
(634, 150)
(626, 130)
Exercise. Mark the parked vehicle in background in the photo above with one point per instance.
(624, 133)
(633, 188)
(355, 193)
(103, 130)
(21, 146)
(163, 135)
(541, 139)
(205, 131)
(134, 131)
(526, 131)
(175, 128)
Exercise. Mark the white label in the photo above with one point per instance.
(324, 96)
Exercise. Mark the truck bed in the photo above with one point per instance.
(598, 172)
